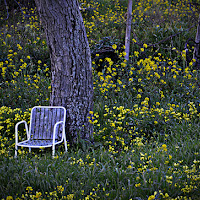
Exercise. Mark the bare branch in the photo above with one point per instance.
(6, 9)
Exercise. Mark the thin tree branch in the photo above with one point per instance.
(6, 9)
(6, 5)
(20, 8)
(170, 37)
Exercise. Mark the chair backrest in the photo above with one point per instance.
(43, 119)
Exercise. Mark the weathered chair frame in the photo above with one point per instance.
(50, 124)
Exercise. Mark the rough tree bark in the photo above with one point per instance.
(72, 84)
(128, 29)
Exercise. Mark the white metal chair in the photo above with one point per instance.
(47, 128)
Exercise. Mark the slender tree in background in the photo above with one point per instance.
(72, 84)
(196, 55)
(128, 29)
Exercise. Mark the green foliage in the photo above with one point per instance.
(138, 172)
(146, 111)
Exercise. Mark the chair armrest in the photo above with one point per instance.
(16, 130)
(54, 130)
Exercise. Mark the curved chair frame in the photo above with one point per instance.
(46, 129)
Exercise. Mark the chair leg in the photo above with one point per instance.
(29, 149)
(53, 151)
(16, 149)
(65, 143)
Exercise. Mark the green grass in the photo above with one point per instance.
(146, 112)
(104, 174)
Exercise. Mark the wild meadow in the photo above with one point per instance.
(146, 113)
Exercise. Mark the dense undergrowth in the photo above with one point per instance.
(146, 112)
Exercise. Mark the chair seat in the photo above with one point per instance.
(36, 143)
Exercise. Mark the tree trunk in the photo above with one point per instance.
(128, 29)
(72, 84)
(196, 54)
